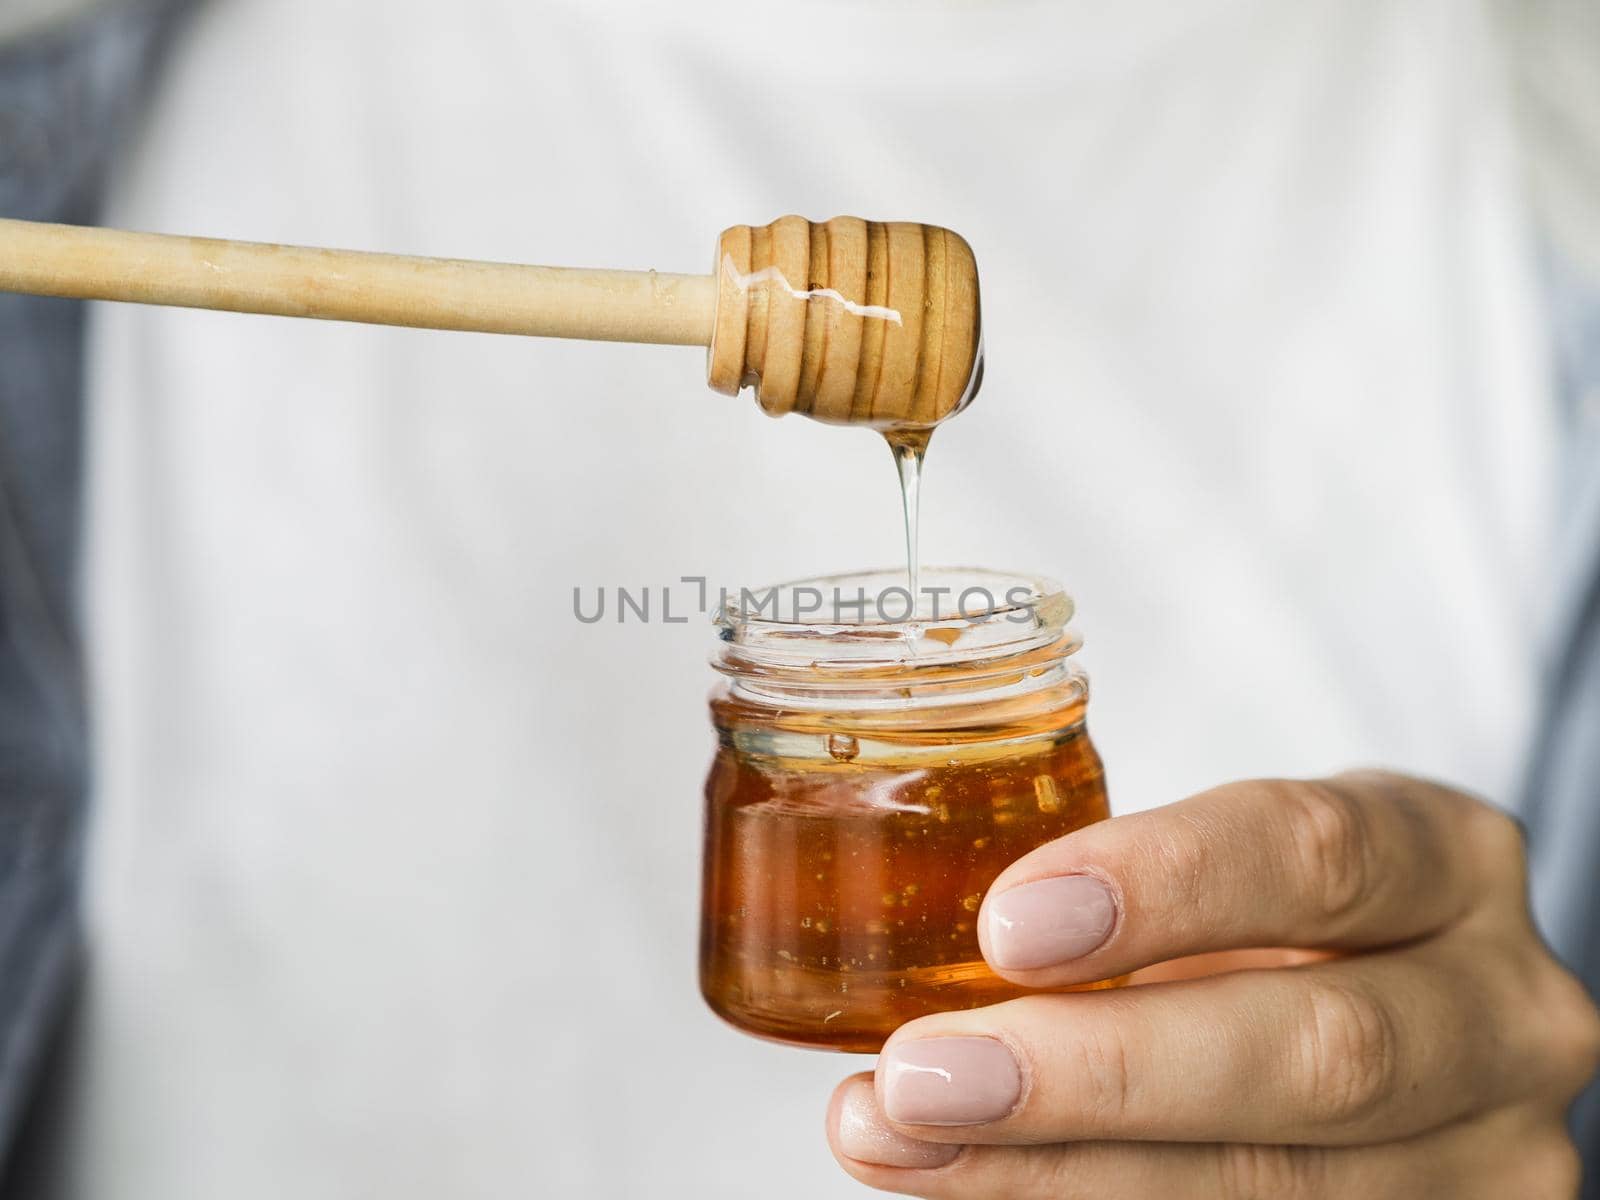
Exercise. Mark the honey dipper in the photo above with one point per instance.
(846, 321)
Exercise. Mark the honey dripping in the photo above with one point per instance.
(910, 449)
(909, 446)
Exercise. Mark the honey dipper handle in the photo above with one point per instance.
(347, 285)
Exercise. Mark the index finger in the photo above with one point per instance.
(1356, 861)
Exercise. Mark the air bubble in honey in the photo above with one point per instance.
(842, 747)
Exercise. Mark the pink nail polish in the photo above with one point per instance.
(1047, 922)
(948, 1081)
(866, 1137)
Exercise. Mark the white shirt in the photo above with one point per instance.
(395, 885)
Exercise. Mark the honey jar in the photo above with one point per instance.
(879, 762)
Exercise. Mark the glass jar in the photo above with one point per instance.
(875, 771)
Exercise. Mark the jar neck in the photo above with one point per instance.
(1019, 694)
(999, 653)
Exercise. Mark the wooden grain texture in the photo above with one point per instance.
(350, 285)
(847, 321)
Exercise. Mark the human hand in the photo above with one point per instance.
(1428, 1046)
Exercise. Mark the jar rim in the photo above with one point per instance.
(866, 619)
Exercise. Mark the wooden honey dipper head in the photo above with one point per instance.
(848, 321)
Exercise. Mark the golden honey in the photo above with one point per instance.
(871, 780)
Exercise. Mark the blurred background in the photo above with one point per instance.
(392, 866)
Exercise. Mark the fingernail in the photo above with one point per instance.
(1048, 922)
(949, 1081)
(866, 1137)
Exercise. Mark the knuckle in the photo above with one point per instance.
(1562, 1172)
(1058, 1172)
(1064, 1172)
(1552, 1169)
(1102, 1074)
(1498, 839)
(1348, 1054)
(1258, 1172)
(1571, 1029)
(1183, 855)
(1328, 838)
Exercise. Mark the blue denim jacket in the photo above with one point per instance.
(1562, 800)
(64, 98)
